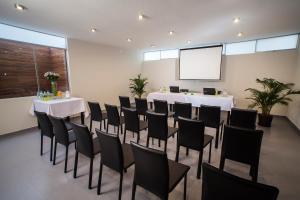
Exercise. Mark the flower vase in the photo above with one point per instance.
(53, 87)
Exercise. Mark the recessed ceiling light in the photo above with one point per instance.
(236, 20)
(93, 30)
(171, 32)
(20, 7)
(129, 40)
(141, 17)
(153, 45)
(240, 34)
(189, 41)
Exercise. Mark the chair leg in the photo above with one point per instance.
(152, 141)
(99, 179)
(166, 144)
(54, 155)
(66, 159)
(100, 125)
(184, 189)
(51, 149)
(120, 187)
(118, 130)
(221, 135)
(104, 124)
(187, 151)
(147, 143)
(209, 155)
(217, 138)
(254, 172)
(75, 165)
(158, 142)
(121, 129)
(174, 125)
(133, 191)
(91, 173)
(199, 164)
(222, 162)
(107, 128)
(91, 122)
(177, 153)
(124, 136)
(138, 137)
(41, 144)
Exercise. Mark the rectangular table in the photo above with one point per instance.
(61, 107)
(226, 102)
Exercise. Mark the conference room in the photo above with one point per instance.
(142, 99)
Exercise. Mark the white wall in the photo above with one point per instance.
(238, 73)
(294, 107)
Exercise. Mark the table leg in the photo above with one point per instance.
(82, 117)
(151, 105)
(228, 117)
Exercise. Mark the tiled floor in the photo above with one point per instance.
(24, 174)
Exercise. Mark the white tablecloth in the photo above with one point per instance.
(60, 107)
(224, 101)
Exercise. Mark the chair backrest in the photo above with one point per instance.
(45, 123)
(141, 105)
(244, 118)
(84, 140)
(151, 169)
(113, 116)
(111, 150)
(132, 122)
(210, 115)
(219, 185)
(124, 102)
(157, 125)
(174, 89)
(96, 112)
(183, 110)
(60, 130)
(191, 133)
(209, 91)
(241, 144)
(161, 106)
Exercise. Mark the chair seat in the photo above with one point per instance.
(68, 125)
(96, 146)
(127, 155)
(207, 140)
(143, 125)
(172, 131)
(176, 172)
(213, 125)
(72, 136)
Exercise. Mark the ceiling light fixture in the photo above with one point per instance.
(236, 20)
(240, 34)
(141, 17)
(129, 40)
(171, 32)
(189, 41)
(20, 7)
(93, 30)
(153, 45)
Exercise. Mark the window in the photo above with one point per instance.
(240, 48)
(169, 54)
(22, 67)
(277, 43)
(154, 55)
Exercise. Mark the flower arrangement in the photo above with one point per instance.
(51, 76)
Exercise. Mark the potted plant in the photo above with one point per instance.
(52, 77)
(137, 85)
(274, 92)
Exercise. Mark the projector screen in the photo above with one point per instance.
(200, 63)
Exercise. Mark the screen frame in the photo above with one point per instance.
(203, 47)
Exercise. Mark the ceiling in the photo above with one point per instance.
(201, 21)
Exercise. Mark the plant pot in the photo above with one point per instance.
(265, 120)
(53, 87)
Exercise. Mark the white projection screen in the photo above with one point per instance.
(203, 63)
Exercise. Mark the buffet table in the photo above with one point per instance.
(61, 107)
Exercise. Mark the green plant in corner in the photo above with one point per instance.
(137, 85)
(274, 92)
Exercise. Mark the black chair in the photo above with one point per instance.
(242, 145)
(243, 118)
(113, 155)
(219, 185)
(133, 123)
(182, 110)
(158, 128)
(141, 106)
(184, 90)
(174, 89)
(114, 118)
(211, 116)
(62, 136)
(161, 106)
(125, 103)
(97, 114)
(46, 130)
(155, 173)
(86, 145)
(191, 135)
(209, 91)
